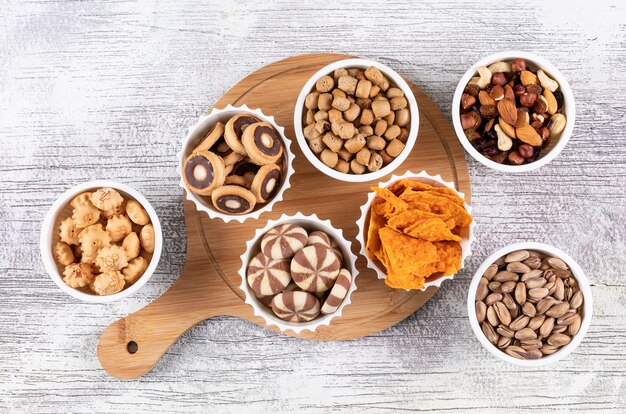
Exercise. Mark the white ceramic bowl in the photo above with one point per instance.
(362, 64)
(309, 223)
(199, 131)
(583, 283)
(534, 62)
(424, 177)
(61, 210)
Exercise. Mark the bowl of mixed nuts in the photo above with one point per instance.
(529, 304)
(513, 111)
(356, 120)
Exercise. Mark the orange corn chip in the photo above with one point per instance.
(391, 198)
(407, 218)
(449, 254)
(443, 205)
(408, 257)
(431, 229)
(373, 241)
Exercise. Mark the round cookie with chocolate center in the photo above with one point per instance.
(237, 180)
(315, 268)
(203, 171)
(267, 276)
(283, 241)
(266, 182)
(246, 168)
(262, 143)
(214, 134)
(229, 156)
(232, 199)
(234, 130)
(296, 306)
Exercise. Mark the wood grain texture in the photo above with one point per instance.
(209, 283)
(106, 90)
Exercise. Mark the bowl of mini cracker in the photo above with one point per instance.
(101, 241)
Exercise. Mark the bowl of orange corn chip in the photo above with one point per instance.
(415, 231)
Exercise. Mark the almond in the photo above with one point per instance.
(485, 99)
(522, 117)
(553, 106)
(528, 135)
(528, 78)
(509, 93)
(507, 128)
(507, 111)
(497, 93)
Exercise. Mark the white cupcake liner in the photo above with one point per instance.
(195, 135)
(426, 178)
(310, 223)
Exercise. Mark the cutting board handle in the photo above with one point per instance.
(132, 346)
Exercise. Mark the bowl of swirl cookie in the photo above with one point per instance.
(101, 241)
(298, 272)
(235, 163)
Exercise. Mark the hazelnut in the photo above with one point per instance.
(470, 120)
(473, 90)
(528, 99)
(499, 78)
(518, 65)
(519, 90)
(541, 105)
(526, 151)
(467, 101)
(515, 158)
(496, 93)
(532, 88)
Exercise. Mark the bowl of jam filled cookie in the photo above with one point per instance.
(235, 163)
(101, 241)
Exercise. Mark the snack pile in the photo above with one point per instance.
(529, 304)
(299, 275)
(510, 112)
(238, 164)
(414, 231)
(106, 244)
(356, 121)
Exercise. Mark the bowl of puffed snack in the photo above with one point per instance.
(101, 241)
(356, 120)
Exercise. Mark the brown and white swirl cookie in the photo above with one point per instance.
(246, 168)
(315, 268)
(234, 130)
(203, 171)
(266, 182)
(267, 276)
(319, 237)
(338, 293)
(283, 241)
(232, 199)
(262, 143)
(214, 134)
(296, 306)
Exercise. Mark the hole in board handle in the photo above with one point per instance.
(132, 347)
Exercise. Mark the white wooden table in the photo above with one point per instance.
(107, 89)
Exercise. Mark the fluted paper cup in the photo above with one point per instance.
(309, 223)
(435, 181)
(196, 135)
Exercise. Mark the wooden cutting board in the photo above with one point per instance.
(208, 284)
